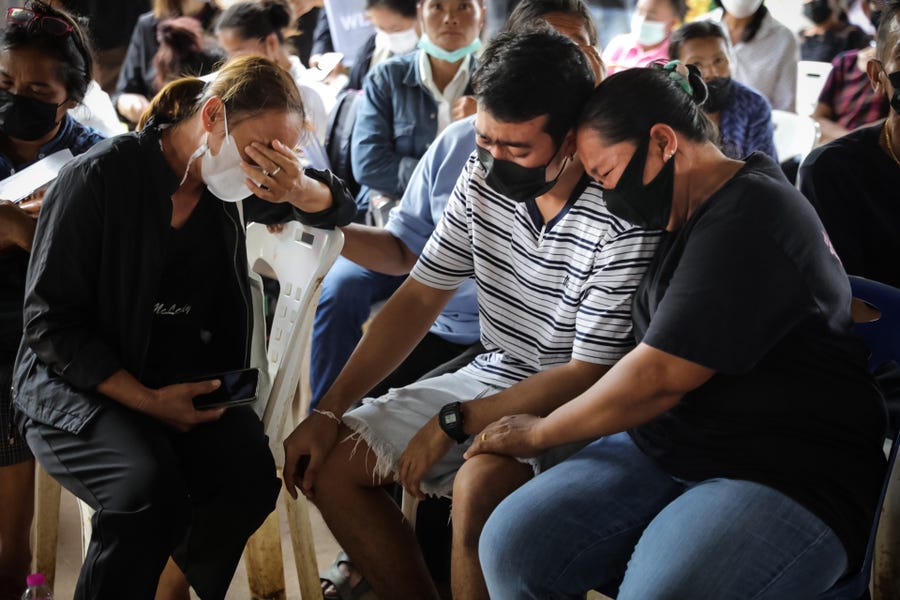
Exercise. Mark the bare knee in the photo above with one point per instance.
(350, 466)
(480, 485)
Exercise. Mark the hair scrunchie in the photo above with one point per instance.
(672, 68)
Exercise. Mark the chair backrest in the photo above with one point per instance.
(339, 137)
(882, 336)
(298, 258)
(811, 77)
(795, 135)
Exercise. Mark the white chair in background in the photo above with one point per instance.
(795, 135)
(298, 257)
(811, 77)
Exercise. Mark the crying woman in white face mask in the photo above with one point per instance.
(651, 26)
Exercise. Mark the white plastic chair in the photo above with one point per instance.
(795, 135)
(811, 77)
(298, 258)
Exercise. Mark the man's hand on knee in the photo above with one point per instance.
(305, 449)
(424, 450)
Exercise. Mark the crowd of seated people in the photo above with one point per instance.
(576, 245)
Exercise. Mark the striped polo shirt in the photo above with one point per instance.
(547, 292)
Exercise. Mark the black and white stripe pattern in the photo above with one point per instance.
(545, 294)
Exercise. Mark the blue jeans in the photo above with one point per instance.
(348, 292)
(609, 512)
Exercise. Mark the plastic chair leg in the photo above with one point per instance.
(304, 548)
(886, 561)
(264, 560)
(46, 524)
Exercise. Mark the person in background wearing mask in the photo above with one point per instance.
(555, 274)
(742, 115)
(765, 51)
(848, 100)
(256, 28)
(140, 282)
(853, 181)
(708, 477)
(396, 33)
(45, 69)
(830, 32)
(651, 27)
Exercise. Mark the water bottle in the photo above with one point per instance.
(37, 588)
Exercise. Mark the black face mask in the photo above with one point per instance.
(817, 11)
(515, 181)
(894, 78)
(25, 118)
(647, 206)
(719, 91)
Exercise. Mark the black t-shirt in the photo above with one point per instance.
(750, 288)
(853, 185)
(824, 47)
(190, 300)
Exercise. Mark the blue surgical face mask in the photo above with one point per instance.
(435, 51)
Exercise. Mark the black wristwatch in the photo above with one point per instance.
(451, 421)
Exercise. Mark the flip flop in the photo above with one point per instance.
(341, 582)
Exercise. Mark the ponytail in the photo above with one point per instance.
(177, 101)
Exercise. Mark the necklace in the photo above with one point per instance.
(887, 140)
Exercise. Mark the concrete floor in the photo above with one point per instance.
(69, 553)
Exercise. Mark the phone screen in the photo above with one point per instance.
(238, 387)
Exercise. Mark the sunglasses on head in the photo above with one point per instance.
(24, 17)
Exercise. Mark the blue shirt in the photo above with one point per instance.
(395, 123)
(415, 218)
(745, 124)
(73, 135)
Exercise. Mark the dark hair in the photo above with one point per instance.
(72, 51)
(626, 105)
(680, 7)
(180, 48)
(525, 75)
(529, 12)
(256, 20)
(755, 22)
(696, 30)
(889, 14)
(406, 8)
(246, 84)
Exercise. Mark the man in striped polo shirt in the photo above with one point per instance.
(555, 273)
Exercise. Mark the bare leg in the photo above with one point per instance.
(369, 525)
(17, 502)
(481, 484)
(173, 585)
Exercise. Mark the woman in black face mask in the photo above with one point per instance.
(743, 115)
(45, 69)
(743, 429)
(829, 33)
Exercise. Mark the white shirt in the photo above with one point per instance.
(96, 110)
(312, 99)
(768, 63)
(451, 93)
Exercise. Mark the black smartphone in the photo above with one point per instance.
(238, 388)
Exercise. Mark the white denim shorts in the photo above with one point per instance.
(388, 423)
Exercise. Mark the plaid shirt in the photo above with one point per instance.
(849, 94)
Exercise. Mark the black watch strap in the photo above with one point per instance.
(451, 421)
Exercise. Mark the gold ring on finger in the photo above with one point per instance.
(275, 172)
(483, 437)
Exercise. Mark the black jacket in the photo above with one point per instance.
(97, 259)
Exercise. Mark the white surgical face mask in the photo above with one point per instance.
(648, 33)
(741, 8)
(399, 42)
(222, 172)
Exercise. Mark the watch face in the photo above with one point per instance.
(450, 419)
